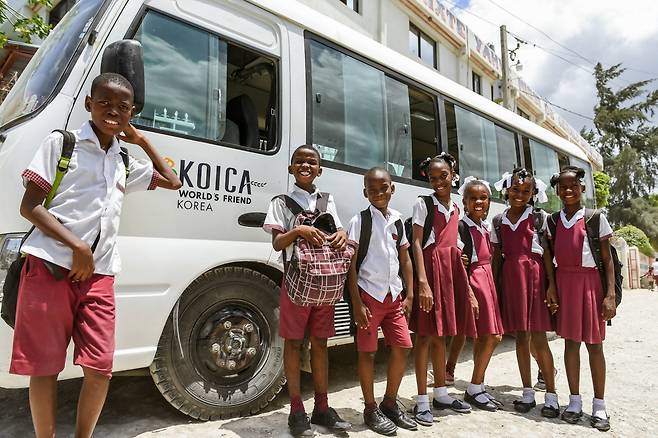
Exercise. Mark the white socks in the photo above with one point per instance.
(575, 403)
(598, 408)
(441, 395)
(528, 395)
(423, 402)
(550, 400)
(477, 389)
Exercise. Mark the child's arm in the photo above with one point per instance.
(282, 240)
(609, 304)
(551, 292)
(33, 210)
(425, 296)
(361, 312)
(169, 179)
(408, 277)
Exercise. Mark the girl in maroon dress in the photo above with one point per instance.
(476, 197)
(444, 304)
(585, 303)
(527, 282)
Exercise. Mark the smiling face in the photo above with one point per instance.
(570, 189)
(305, 167)
(378, 188)
(476, 202)
(111, 108)
(521, 191)
(440, 176)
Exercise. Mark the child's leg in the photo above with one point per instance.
(421, 361)
(597, 366)
(291, 356)
(43, 405)
(523, 357)
(484, 347)
(367, 376)
(438, 354)
(320, 369)
(456, 347)
(572, 364)
(397, 363)
(91, 401)
(544, 359)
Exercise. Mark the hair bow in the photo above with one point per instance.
(504, 182)
(541, 187)
(468, 179)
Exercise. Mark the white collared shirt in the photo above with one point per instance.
(605, 231)
(420, 213)
(483, 228)
(89, 198)
(379, 272)
(536, 246)
(280, 218)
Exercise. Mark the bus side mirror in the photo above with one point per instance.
(126, 58)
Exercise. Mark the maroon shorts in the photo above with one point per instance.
(295, 321)
(51, 312)
(387, 315)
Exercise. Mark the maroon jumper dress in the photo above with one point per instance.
(524, 282)
(482, 282)
(579, 289)
(446, 275)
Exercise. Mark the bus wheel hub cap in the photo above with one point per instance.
(234, 344)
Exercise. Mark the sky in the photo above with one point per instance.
(606, 31)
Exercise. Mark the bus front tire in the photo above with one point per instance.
(229, 361)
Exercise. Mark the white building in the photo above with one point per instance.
(427, 30)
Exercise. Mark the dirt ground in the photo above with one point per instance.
(136, 409)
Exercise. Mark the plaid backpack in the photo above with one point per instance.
(315, 276)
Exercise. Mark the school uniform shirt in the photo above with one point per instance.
(536, 246)
(483, 228)
(379, 273)
(89, 198)
(420, 213)
(605, 231)
(280, 218)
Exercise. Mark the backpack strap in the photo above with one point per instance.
(291, 204)
(539, 216)
(429, 219)
(497, 223)
(552, 223)
(592, 229)
(322, 202)
(126, 161)
(467, 240)
(364, 238)
(68, 144)
(399, 228)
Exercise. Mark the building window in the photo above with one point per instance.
(523, 114)
(477, 83)
(492, 93)
(352, 4)
(422, 46)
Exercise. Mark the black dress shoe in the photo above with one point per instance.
(486, 406)
(379, 423)
(397, 416)
(598, 423)
(550, 411)
(299, 424)
(330, 419)
(523, 407)
(572, 417)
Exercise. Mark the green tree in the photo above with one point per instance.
(642, 214)
(636, 237)
(24, 27)
(601, 189)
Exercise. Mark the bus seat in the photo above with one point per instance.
(242, 111)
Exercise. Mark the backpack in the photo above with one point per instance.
(467, 240)
(592, 229)
(539, 217)
(315, 276)
(12, 280)
(427, 225)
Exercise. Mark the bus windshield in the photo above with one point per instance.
(41, 76)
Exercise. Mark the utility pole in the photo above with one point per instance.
(507, 95)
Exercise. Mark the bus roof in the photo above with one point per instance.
(351, 39)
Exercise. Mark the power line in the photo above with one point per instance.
(557, 106)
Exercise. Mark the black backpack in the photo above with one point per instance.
(592, 229)
(467, 240)
(427, 226)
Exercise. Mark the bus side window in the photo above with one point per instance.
(201, 86)
(423, 129)
(546, 164)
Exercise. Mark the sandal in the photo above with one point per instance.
(486, 406)
(523, 407)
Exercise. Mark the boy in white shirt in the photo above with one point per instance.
(377, 301)
(67, 283)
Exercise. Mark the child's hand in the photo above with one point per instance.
(82, 266)
(465, 260)
(311, 234)
(425, 297)
(609, 307)
(362, 315)
(338, 240)
(552, 300)
(475, 307)
(405, 308)
(132, 135)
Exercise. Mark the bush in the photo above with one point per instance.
(601, 188)
(636, 237)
